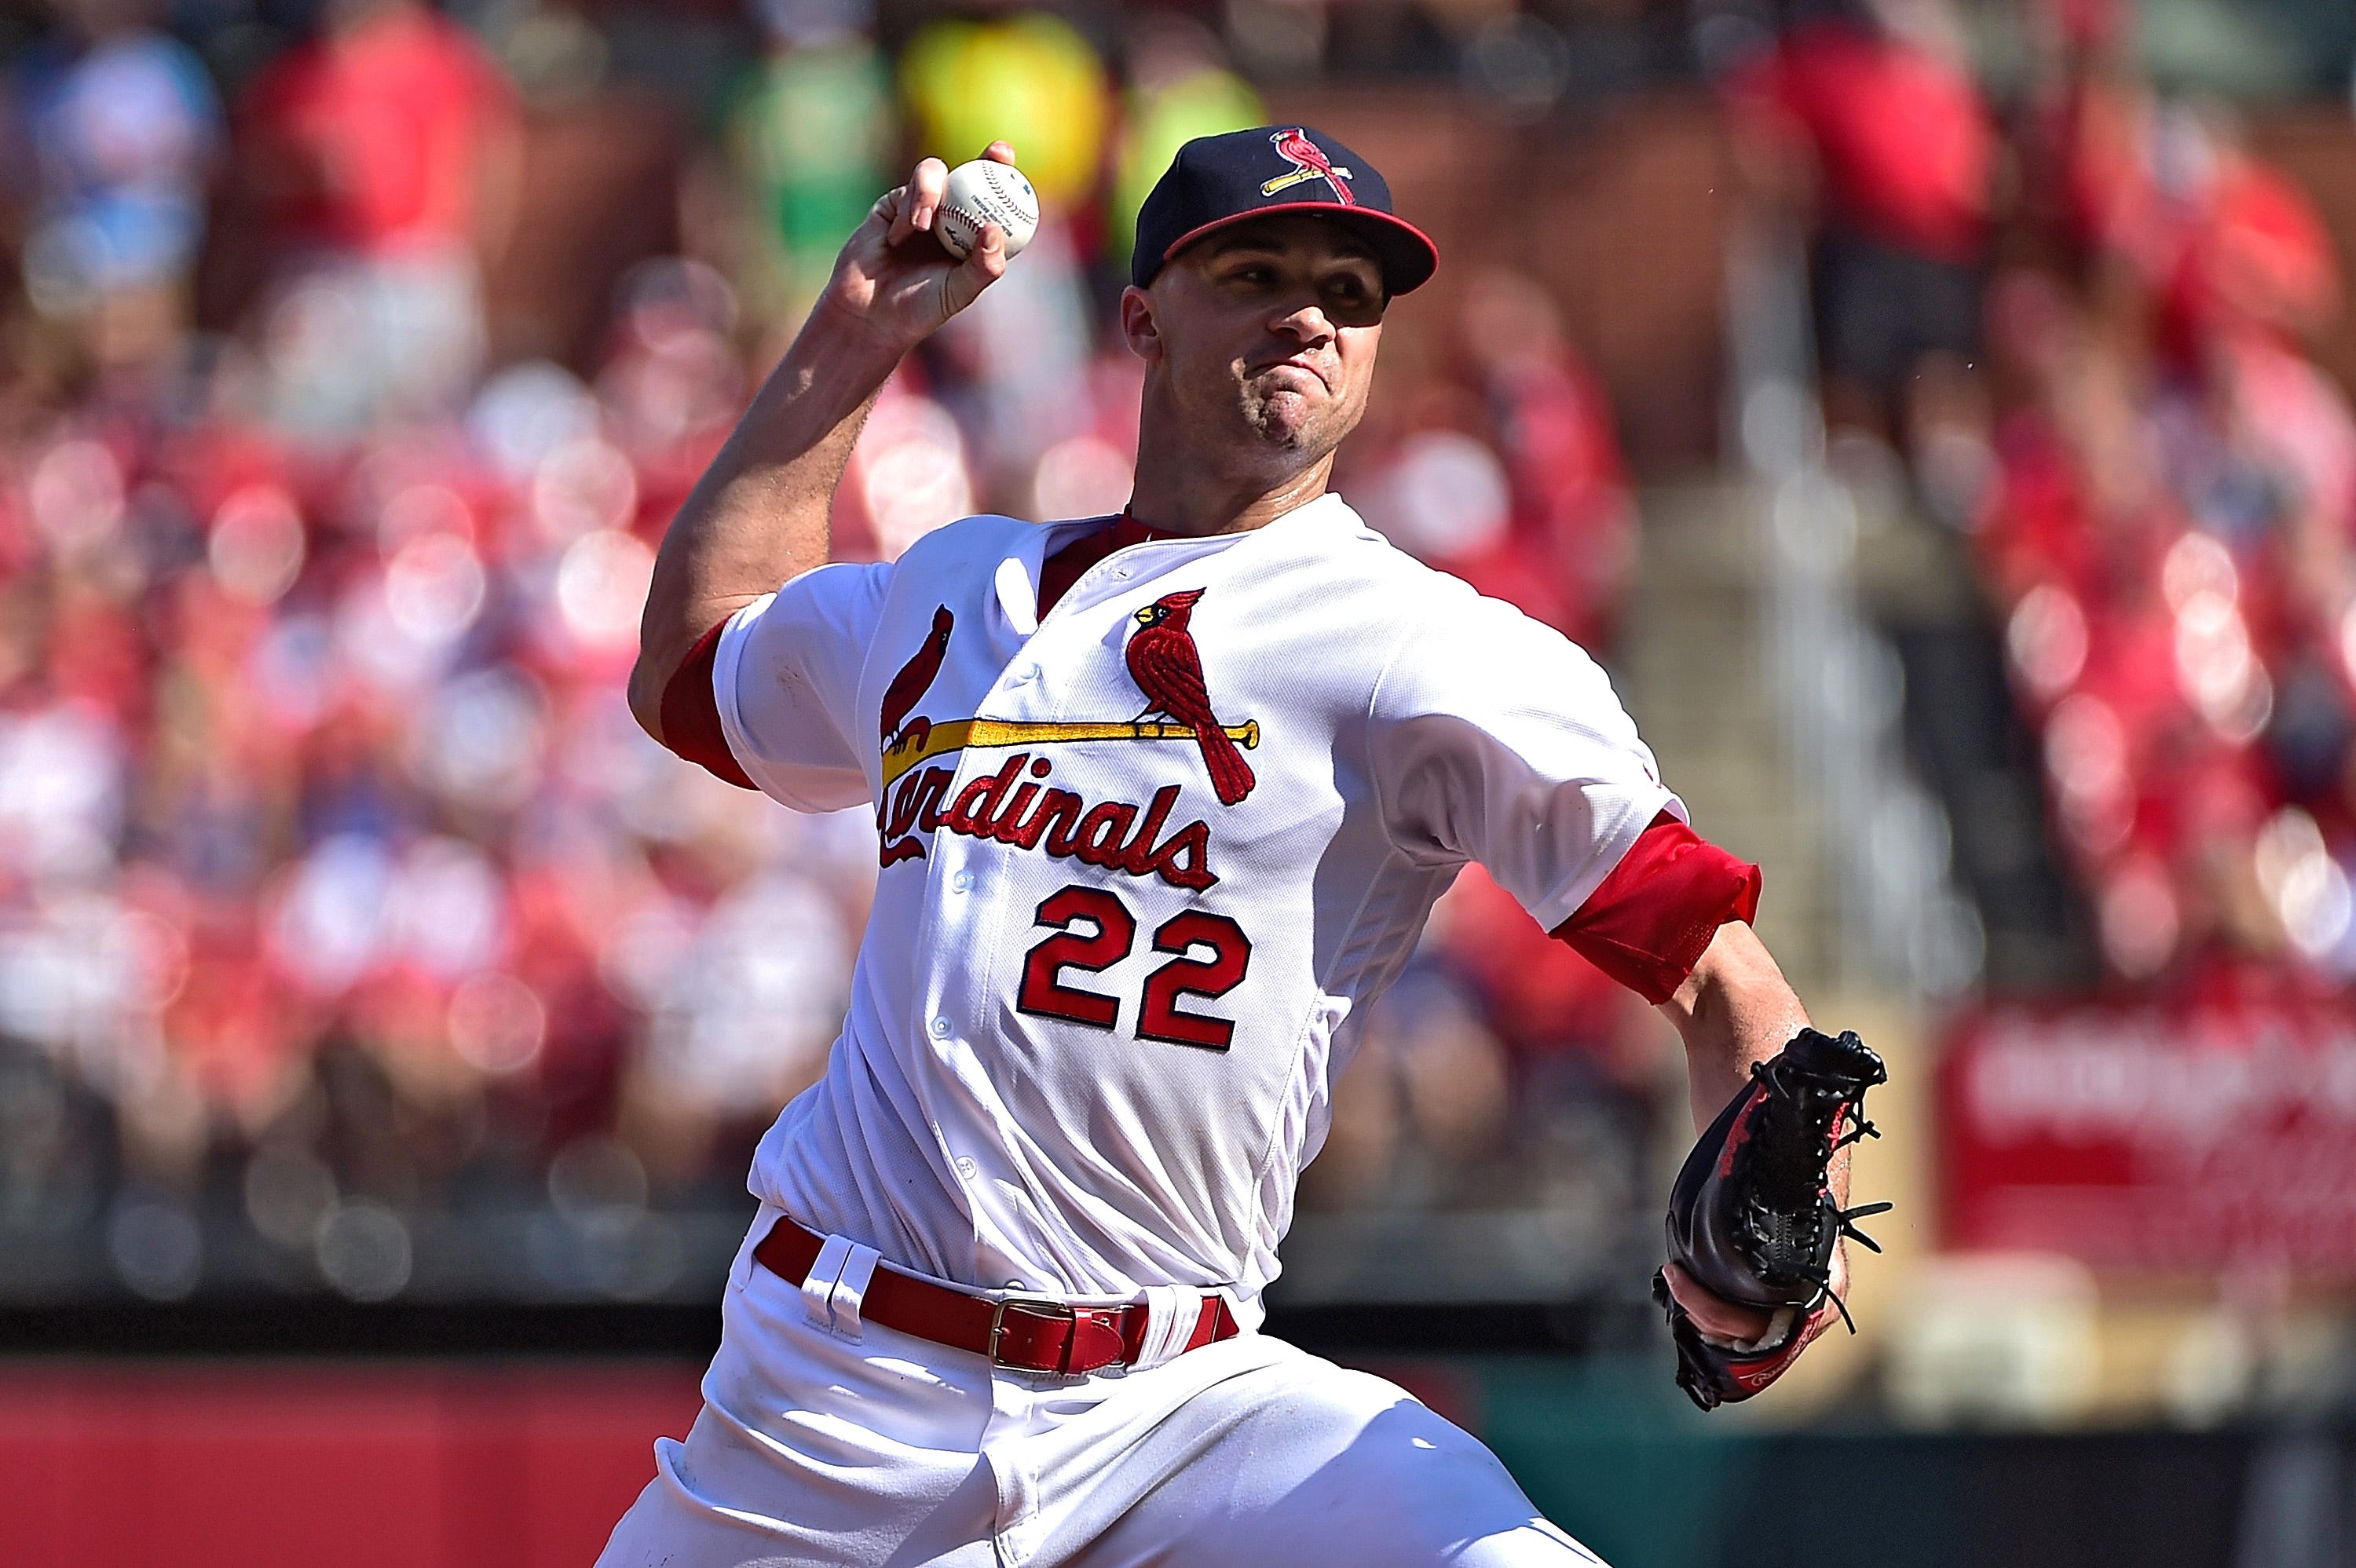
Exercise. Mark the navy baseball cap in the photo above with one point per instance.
(1216, 181)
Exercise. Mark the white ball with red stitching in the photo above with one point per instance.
(986, 191)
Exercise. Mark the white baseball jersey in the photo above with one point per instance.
(1143, 862)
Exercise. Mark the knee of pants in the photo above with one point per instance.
(1343, 1467)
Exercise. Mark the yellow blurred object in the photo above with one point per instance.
(1028, 79)
(1164, 119)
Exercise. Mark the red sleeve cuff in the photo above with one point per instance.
(691, 712)
(1653, 918)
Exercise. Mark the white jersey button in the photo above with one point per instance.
(966, 1167)
(940, 1028)
(962, 881)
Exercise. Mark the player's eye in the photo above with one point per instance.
(1352, 300)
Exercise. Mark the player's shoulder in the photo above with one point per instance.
(954, 563)
(1346, 552)
(1445, 645)
(1425, 600)
(984, 536)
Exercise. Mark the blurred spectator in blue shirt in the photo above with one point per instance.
(113, 128)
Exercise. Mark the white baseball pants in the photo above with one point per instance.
(814, 1448)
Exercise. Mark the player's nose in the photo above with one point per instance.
(1306, 324)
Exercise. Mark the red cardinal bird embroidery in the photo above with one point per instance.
(1309, 163)
(1163, 662)
(915, 676)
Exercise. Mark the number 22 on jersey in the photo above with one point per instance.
(1092, 930)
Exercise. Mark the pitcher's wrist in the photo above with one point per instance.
(835, 327)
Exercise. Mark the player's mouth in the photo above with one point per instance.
(1300, 362)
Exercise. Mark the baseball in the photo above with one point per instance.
(986, 191)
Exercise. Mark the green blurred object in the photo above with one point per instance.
(1606, 1448)
(2248, 49)
(811, 137)
(1609, 1449)
(1161, 121)
(1030, 79)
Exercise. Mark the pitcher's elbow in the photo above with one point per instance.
(646, 694)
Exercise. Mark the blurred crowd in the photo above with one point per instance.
(340, 898)
(357, 353)
(2084, 316)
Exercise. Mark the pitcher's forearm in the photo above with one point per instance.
(758, 516)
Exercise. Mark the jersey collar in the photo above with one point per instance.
(1017, 577)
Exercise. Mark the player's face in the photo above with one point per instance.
(1267, 331)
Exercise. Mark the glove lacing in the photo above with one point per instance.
(1783, 1229)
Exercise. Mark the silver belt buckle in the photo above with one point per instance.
(1045, 1309)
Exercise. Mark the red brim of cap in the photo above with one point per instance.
(1408, 257)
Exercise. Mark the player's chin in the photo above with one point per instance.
(1286, 415)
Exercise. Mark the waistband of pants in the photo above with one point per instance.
(849, 1285)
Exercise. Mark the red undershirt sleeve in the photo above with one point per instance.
(1653, 918)
(691, 712)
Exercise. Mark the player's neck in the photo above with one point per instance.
(1178, 498)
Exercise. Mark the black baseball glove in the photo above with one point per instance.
(1752, 1219)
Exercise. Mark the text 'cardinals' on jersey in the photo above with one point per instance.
(1143, 861)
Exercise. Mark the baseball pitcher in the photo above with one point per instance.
(1162, 802)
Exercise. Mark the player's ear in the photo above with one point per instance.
(1138, 323)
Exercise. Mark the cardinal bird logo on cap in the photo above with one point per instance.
(1309, 163)
(1163, 662)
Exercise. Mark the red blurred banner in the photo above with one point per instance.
(275, 1467)
(2183, 1142)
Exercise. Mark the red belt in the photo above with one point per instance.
(1026, 1334)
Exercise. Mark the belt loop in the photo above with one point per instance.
(850, 1289)
(740, 1272)
(1172, 1312)
(817, 1287)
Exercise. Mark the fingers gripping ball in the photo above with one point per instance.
(986, 191)
(1752, 1219)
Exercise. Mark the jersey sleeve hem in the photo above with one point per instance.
(1612, 844)
(1654, 917)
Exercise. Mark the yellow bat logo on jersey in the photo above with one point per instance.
(921, 741)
